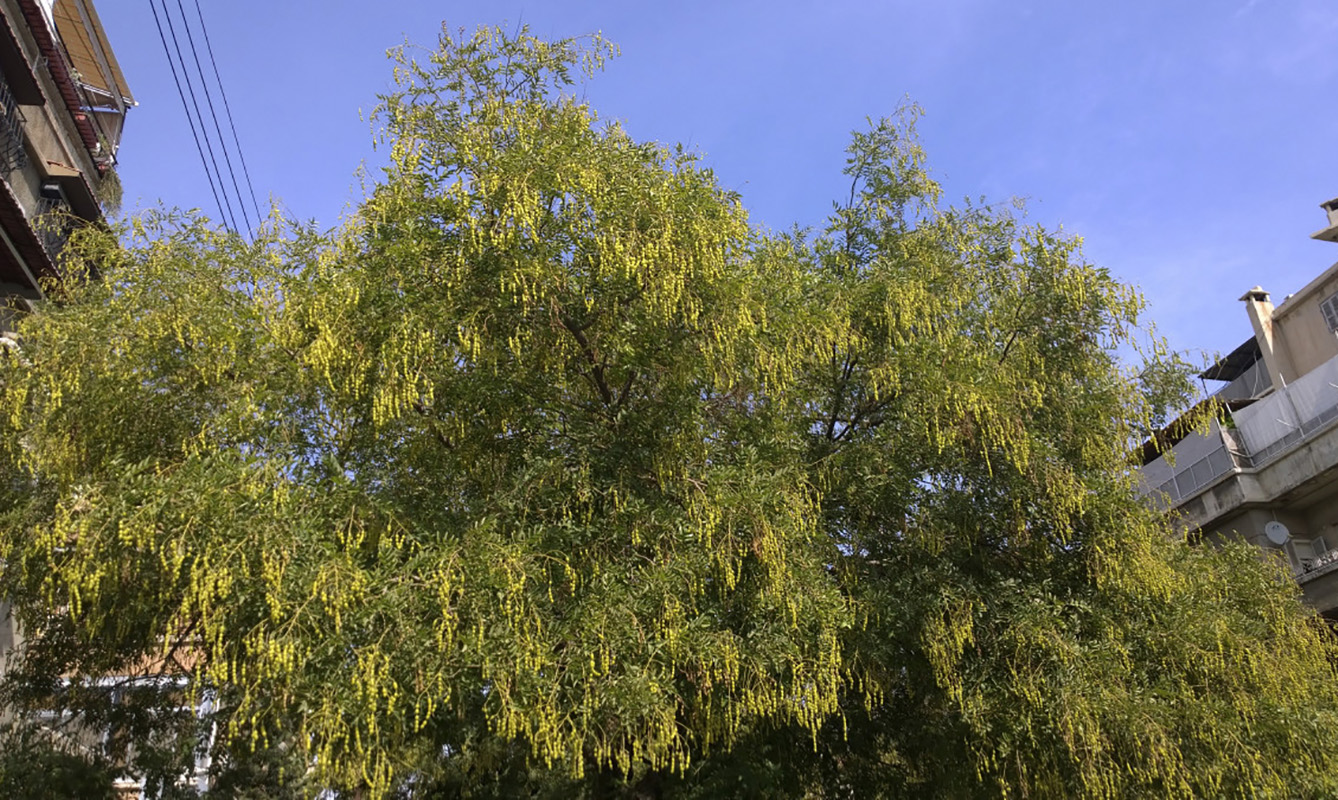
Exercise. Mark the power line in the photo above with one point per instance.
(189, 119)
(227, 110)
(231, 217)
(209, 100)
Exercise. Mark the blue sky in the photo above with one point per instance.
(1188, 143)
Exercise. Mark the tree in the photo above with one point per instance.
(548, 474)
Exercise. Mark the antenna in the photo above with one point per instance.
(1277, 533)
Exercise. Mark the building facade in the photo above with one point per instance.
(1266, 469)
(63, 102)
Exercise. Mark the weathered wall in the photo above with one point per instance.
(1299, 326)
(1185, 454)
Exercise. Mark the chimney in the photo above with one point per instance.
(1330, 233)
(1259, 307)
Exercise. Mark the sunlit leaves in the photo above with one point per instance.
(547, 470)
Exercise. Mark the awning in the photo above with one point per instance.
(55, 64)
(90, 55)
(75, 186)
(1236, 363)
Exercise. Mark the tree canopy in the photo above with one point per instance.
(547, 473)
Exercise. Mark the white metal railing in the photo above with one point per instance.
(1190, 479)
(1291, 414)
(1322, 560)
(1303, 431)
(1265, 431)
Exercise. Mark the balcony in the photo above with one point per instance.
(13, 153)
(99, 90)
(53, 225)
(1252, 383)
(1196, 462)
(1264, 432)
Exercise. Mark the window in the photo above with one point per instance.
(1330, 309)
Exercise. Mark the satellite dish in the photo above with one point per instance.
(1277, 533)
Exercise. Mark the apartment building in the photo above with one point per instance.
(1266, 469)
(63, 102)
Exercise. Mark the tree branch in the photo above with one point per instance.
(596, 372)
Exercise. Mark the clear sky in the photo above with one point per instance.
(1188, 143)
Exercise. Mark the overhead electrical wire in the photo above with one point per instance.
(208, 145)
(189, 119)
(224, 186)
(227, 110)
(209, 100)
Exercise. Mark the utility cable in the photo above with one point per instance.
(232, 218)
(167, 51)
(209, 100)
(227, 110)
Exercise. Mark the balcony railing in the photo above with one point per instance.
(1188, 480)
(1250, 384)
(54, 224)
(13, 154)
(1303, 431)
(1266, 431)
(1317, 563)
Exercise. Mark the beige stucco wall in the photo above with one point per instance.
(1299, 327)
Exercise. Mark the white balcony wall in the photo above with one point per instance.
(1199, 458)
(1289, 413)
(1251, 383)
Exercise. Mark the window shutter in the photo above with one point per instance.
(1330, 309)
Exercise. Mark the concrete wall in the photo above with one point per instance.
(10, 635)
(1299, 327)
(1248, 526)
(1324, 525)
(1185, 453)
(7, 315)
(50, 128)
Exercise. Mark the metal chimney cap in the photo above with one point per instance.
(1257, 293)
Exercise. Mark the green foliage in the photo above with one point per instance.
(109, 191)
(37, 766)
(547, 474)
